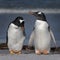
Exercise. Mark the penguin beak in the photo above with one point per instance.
(32, 13)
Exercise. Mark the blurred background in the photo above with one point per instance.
(10, 9)
(29, 4)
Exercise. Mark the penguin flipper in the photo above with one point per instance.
(53, 38)
(31, 39)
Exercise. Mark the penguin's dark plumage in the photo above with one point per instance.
(17, 22)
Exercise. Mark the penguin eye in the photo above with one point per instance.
(36, 12)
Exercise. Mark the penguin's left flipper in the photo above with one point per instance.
(53, 38)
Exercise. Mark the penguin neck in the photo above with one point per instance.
(39, 21)
(42, 19)
(13, 25)
(39, 18)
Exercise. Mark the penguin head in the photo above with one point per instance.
(39, 15)
(19, 22)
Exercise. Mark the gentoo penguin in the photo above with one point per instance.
(16, 35)
(41, 34)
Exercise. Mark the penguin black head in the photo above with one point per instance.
(19, 21)
(39, 15)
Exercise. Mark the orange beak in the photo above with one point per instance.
(30, 12)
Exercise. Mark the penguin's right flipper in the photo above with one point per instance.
(31, 39)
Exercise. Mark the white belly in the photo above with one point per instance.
(15, 38)
(42, 40)
(42, 37)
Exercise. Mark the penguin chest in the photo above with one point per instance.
(15, 37)
(42, 36)
(15, 33)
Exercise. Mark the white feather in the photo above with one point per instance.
(15, 37)
(41, 36)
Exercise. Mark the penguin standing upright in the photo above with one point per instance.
(41, 34)
(16, 35)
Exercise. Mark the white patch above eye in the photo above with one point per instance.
(39, 12)
(21, 21)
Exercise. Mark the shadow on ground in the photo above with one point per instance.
(26, 49)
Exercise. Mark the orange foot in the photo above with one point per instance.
(45, 52)
(19, 52)
(38, 52)
(15, 52)
(11, 52)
